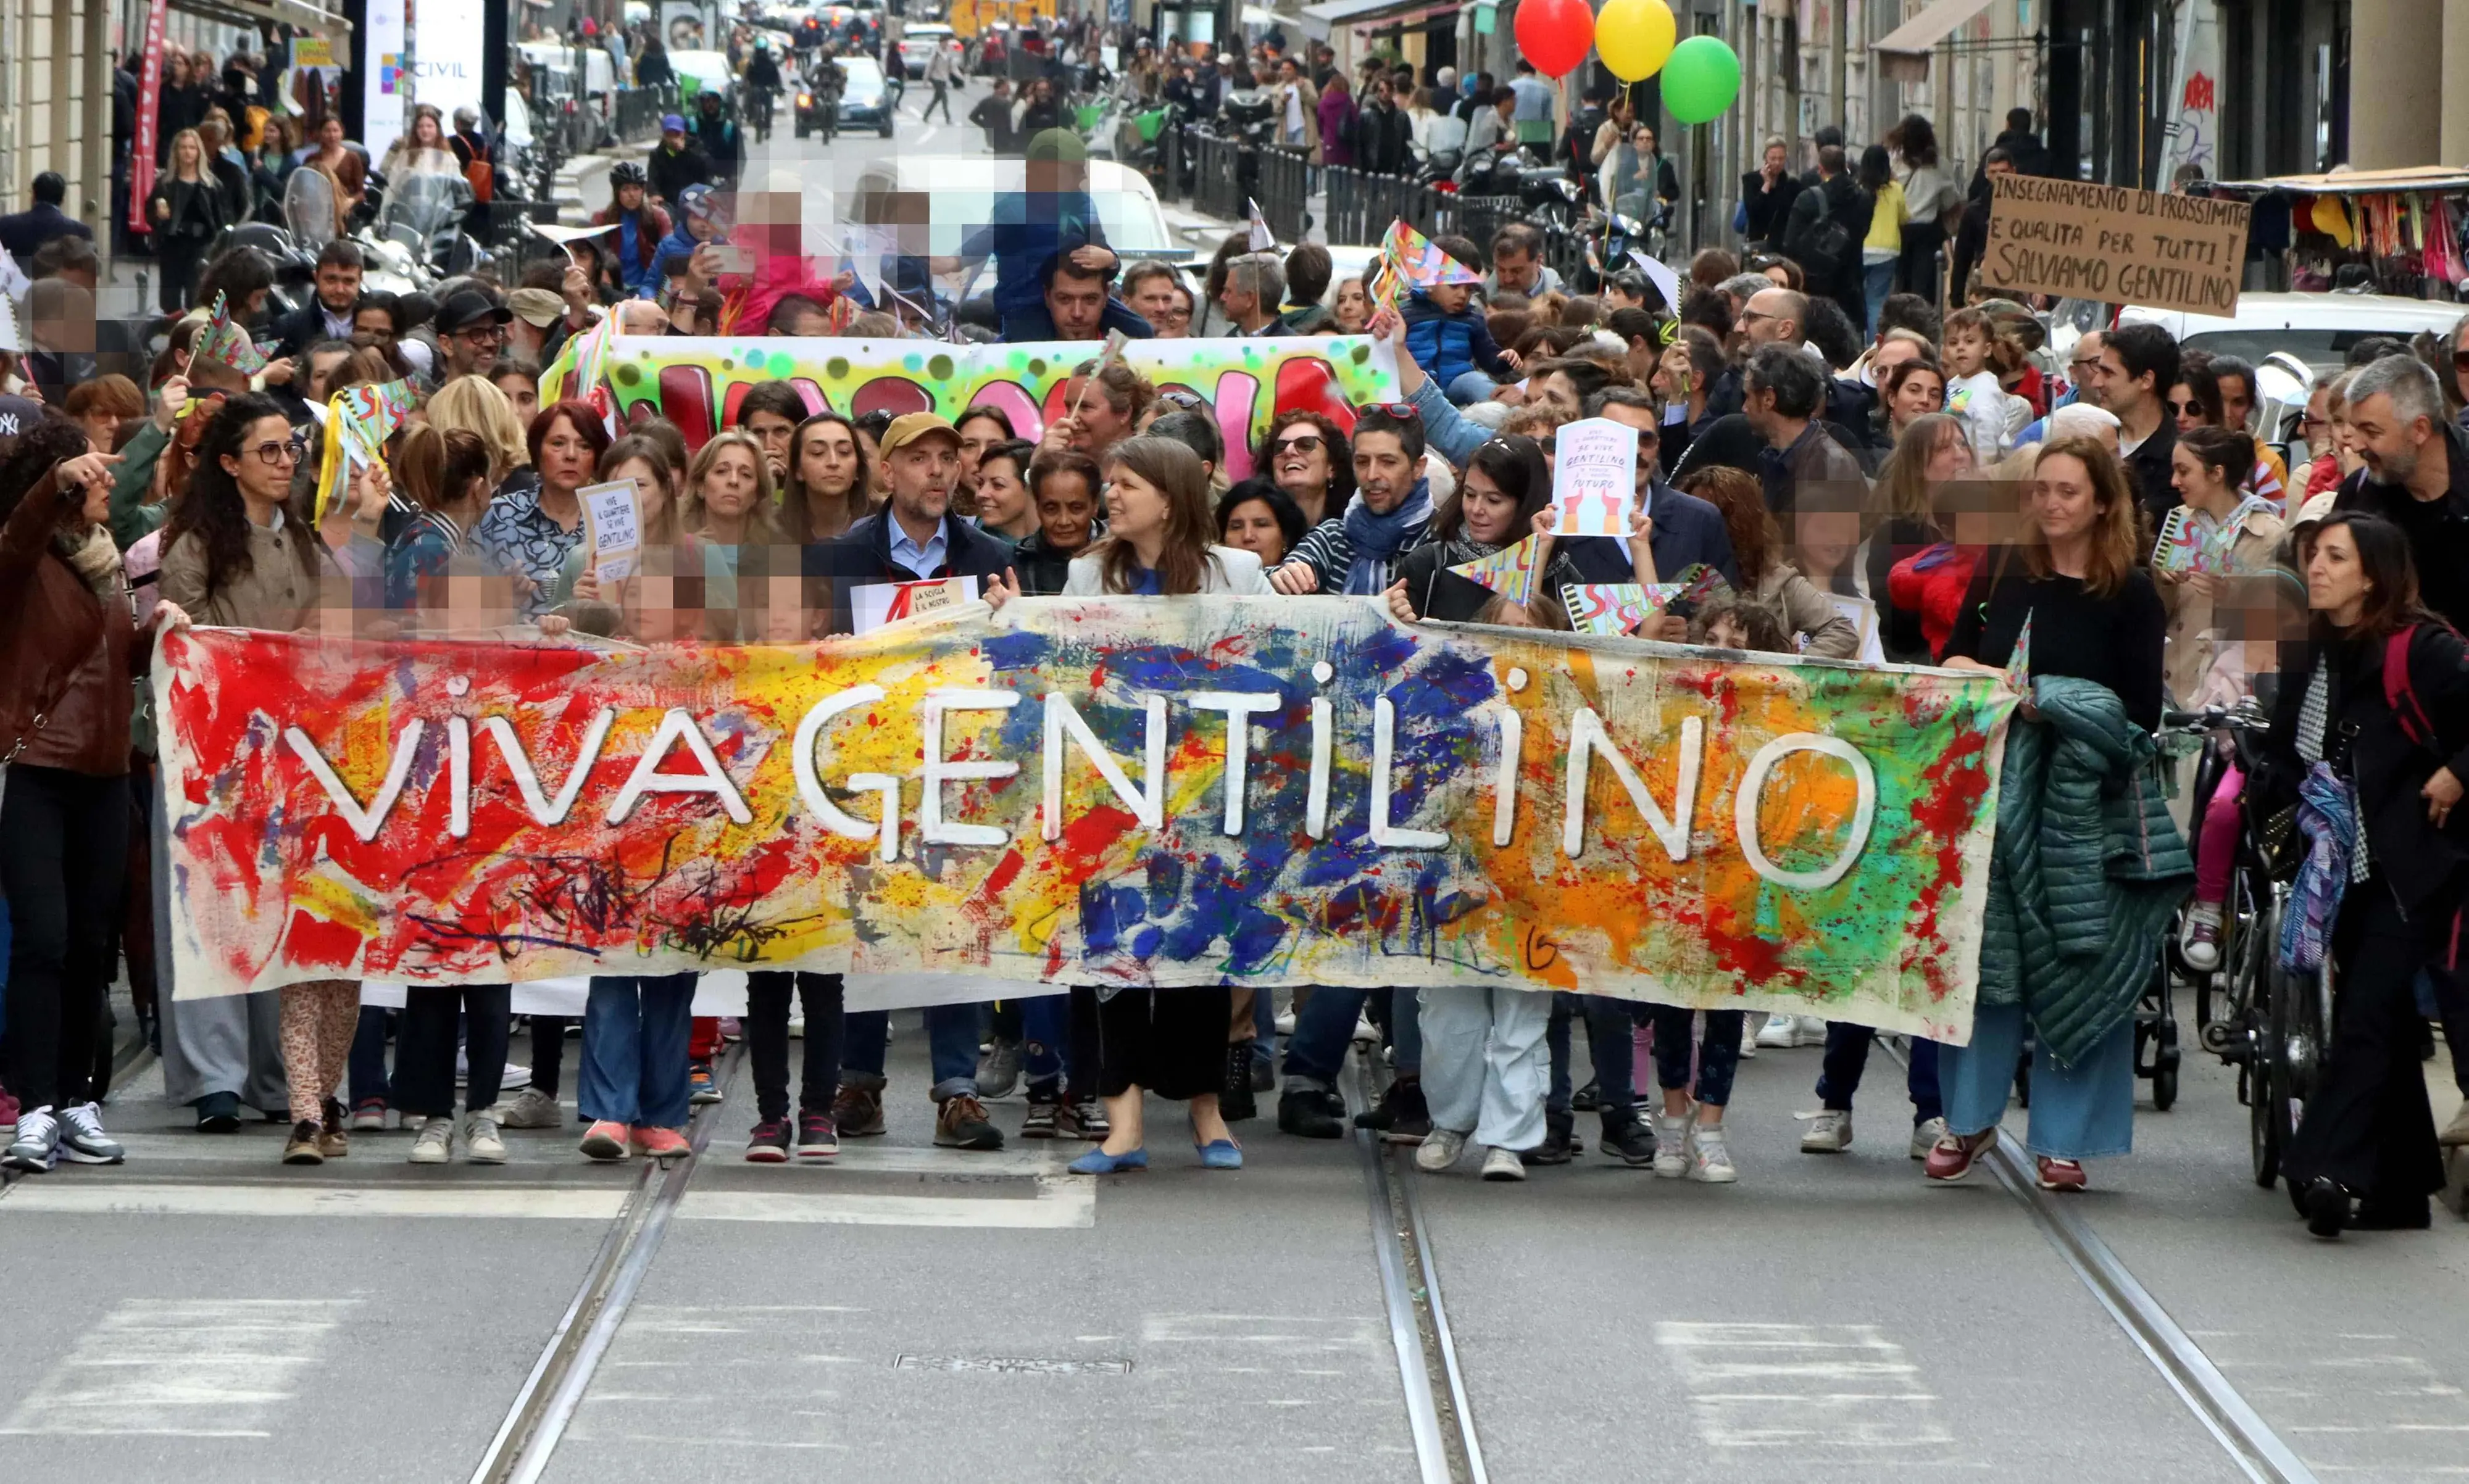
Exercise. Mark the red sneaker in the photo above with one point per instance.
(1951, 1159)
(2061, 1174)
(605, 1141)
(662, 1144)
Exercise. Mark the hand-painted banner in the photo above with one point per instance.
(1262, 791)
(696, 382)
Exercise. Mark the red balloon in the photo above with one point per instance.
(1555, 34)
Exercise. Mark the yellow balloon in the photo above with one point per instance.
(1634, 37)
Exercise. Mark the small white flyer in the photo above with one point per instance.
(1594, 477)
(612, 520)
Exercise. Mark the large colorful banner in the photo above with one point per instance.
(698, 382)
(1144, 791)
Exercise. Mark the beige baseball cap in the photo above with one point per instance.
(910, 427)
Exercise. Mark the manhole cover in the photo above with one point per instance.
(1030, 1365)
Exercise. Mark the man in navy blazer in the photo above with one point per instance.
(915, 537)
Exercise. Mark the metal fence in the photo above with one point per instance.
(1221, 177)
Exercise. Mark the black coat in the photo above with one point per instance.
(2422, 863)
(862, 554)
(1839, 199)
(1768, 208)
(1382, 135)
(196, 210)
(2439, 540)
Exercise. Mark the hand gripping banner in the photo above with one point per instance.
(1166, 792)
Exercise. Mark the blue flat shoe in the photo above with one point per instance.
(1220, 1154)
(1098, 1162)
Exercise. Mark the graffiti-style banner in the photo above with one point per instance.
(696, 382)
(1176, 792)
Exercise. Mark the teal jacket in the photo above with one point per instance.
(2086, 870)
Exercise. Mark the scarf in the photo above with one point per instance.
(95, 558)
(2327, 816)
(1376, 540)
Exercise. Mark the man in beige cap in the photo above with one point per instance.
(914, 537)
(532, 337)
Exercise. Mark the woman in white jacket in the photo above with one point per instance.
(1168, 1042)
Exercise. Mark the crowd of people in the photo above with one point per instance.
(1924, 490)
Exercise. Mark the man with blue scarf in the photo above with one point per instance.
(1353, 552)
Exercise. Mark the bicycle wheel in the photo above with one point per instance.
(2250, 1011)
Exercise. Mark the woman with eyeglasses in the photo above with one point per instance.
(1305, 455)
(1173, 1042)
(68, 655)
(240, 552)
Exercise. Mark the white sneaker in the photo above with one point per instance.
(433, 1143)
(1925, 1136)
(1438, 1151)
(1671, 1146)
(797, 1027)
(1830, 1132)
(1502, 1164)
(1284, 1022)
(1710, 1160)
(482, 1145)
(1783, 1033)
(82, 1140)
(529, 1108)
(2198, 938)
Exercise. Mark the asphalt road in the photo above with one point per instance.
(202, 1314)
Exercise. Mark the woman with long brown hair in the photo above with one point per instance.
(1159, 541)
(826, 491)
(2093, 615)
(2365, 1155)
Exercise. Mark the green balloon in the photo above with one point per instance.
(1701, 80)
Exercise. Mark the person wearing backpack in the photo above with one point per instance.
(2372, 723)
(1828, 224)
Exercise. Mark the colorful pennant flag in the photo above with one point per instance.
(359, 422)
(1615, 607)
(226, 344)
(1421, 264)
(2019, 665)
(1509, 572)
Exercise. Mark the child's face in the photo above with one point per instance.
(1450, 298)
(1727, 633)
(1065, 507)
(1967, 351)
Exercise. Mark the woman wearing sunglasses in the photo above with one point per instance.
(239, 552)
(1305, 455)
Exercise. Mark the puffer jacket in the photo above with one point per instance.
(66, 656)
(2085, 869)
(1447, 346)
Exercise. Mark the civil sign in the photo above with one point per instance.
(2082, 240)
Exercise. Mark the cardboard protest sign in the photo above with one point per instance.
(1141, 791)
(612, 521)
(873, 604)
(696, 382)
(1594, 477)
(2082, 240)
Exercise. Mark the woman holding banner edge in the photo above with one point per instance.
(1158, 543)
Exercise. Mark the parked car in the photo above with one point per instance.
(917, 46)
(2318, 329)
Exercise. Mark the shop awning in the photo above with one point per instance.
(1903, 53)
(299, 14)
(2439, 178)
(1318, 20)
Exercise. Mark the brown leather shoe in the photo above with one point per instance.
(302, 1147)
(1954, 1155)
(2061, 1174)
(857, 1111)
(961, 1123)
(334, 1141)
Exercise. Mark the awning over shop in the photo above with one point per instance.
(1903, 53)
(1318, 20)
(2435, 178)
(299, 14)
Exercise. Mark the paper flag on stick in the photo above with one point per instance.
(1423, 264)
(2019, 665)
(1666, 282)
(1263, 240)
(359, 420)
(1509, 572)
(11, 338)
(1614, 607)
(226, 344)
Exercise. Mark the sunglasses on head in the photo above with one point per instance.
(1404, 412)
(1188, 401)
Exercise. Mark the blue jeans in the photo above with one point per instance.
(634, 1030)
(1061, 1035)
(369, 1083)
(1847, 1056)
(1468, 387)
(2078, 1112)
(1609, 1047)
(1876, 282)
(951, 1048)
(1326, 1026)
(1717, 1055)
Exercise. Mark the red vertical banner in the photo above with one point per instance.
(149, 109)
